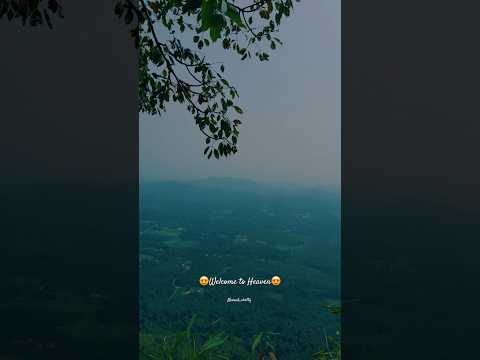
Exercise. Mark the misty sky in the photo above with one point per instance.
(291, 124)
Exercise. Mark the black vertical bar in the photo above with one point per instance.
(69, 187)
(410, 145)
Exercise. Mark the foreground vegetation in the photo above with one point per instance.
(190, 345)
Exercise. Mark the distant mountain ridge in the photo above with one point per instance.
(226, 183)
(236, 183)
(218, 191)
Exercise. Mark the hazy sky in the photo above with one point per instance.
(291, 124)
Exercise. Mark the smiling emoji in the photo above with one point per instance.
(276, 280)
(203, 280)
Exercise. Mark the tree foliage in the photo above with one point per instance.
(170, 70)
(31, 12)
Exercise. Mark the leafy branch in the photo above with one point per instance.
(169, 71)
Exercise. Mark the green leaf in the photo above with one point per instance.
(215, 340)
(238, 109)
(207, 11)
(332, 309)
(234, 15)
(278, 18)
(226, 43)
(256, 341)
(216, 26)
(180, 339)
(190, 324)
(269, 6)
